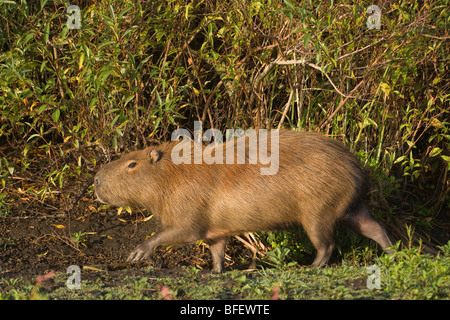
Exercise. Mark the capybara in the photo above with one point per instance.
(317, 184)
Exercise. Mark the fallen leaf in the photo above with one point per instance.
(165, 293)
(92, 268)
(45, 277)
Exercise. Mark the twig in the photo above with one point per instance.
(280, 62)
(249, 245)
(434, 37)
(286, 108)
(359, 50)
(304, 62)
(341, 104)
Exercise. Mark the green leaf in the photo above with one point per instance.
(42, 108)
(306, 38)
(399, 159)
(158, 98)
(446, 158)
(435, 152)
(81, 60)
(28, 37)
(436, 81)
(47, 32)
(289, 5)
(385, 88)
(55, 115)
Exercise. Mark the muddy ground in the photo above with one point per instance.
(34, 245)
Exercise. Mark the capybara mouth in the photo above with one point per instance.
(100, 199)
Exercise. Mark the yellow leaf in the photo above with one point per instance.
(92, 268)
(32, 105)
(148, 218)
(197, 93)
(59, 226)
(385, 88)
(43, 254)
(81, 61)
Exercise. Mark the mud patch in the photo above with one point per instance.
(33, 245)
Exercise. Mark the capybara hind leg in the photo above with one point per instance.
(360, 221)
(165, 237)
(217, 247)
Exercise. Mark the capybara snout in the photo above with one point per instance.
(318, 183)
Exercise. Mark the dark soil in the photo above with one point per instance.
(31, 246)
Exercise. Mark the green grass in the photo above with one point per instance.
(407, 274)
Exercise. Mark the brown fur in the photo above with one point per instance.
(318, 183)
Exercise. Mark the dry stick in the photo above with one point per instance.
(339, 106)
(359, 50)
(209, 100)
(201, 89)
(251, 247)
(286, 108)
(296, 92)
(291, 62)
(58, 78)
(278, 61)
(434, 37)
(247, 245)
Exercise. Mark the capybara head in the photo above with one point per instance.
(129, 180)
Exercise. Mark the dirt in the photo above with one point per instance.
(34, 245)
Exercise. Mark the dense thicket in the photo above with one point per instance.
(137, 70)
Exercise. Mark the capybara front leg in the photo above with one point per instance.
(165, 237)
(217, 247)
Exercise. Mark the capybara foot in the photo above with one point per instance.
(141, 252)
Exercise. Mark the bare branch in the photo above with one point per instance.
(304, 62)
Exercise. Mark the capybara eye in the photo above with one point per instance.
(132, 165)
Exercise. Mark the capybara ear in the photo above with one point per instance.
(154, 155)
